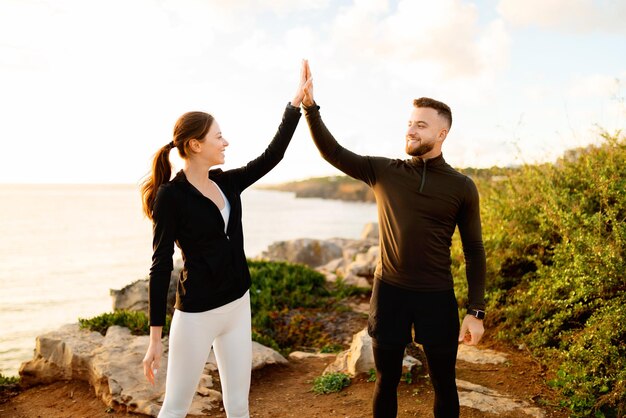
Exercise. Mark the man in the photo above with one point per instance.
(420, 202)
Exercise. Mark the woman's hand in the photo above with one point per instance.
(152, 360)
(304, 83)
(308, 86)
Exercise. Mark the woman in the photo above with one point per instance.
(200, 211)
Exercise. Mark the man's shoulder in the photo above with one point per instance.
(448, 169)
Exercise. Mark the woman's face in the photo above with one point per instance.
(213, 146)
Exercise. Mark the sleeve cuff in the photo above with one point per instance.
(292, 107)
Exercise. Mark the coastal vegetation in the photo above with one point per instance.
(555, 238)
(334, 187)
(8, 381)
(137, 322)
(293, 307)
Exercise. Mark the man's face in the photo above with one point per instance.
(424, 131)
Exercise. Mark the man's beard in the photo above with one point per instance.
(421, 149)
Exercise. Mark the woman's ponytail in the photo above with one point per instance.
(161, 173)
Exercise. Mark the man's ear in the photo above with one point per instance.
(442, 134)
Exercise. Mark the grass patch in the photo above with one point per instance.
(330, 383)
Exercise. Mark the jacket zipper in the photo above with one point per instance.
(423, 176)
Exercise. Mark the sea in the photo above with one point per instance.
(63, 247)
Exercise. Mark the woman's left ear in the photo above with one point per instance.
(194, 145)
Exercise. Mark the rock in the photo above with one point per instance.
(307, 251)
(494, 402)
(299, 355)
(410, 362)
(134, 297)
(358, 281)
(370, 231)
(112, 365)
(476, 355)
(360, 268)
(332, 266)
(261, 357)
(359, 358)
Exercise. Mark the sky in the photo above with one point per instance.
(90, 90)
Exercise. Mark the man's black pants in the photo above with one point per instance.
(394, 313)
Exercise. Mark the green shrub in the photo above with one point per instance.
(137, 322)
(555, 238)
(8, 381)
(291, 304)
(290, 307)
(331, 382)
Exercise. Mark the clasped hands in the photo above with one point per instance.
(304, 93)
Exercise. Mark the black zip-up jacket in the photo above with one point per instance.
(420, 203)
(215, 270)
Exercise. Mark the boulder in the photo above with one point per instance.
(307, 251)
(370, 231)
(488, 400)
(358, 281)
(359, 358)
(112, 365)
(134, 297)
(476, 355)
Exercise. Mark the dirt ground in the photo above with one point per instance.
(285, 391)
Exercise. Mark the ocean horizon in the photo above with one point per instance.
(64, 247)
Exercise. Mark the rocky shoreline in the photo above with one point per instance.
(111, 363)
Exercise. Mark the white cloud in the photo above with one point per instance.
(443, 37)
(577, 16)
(596, 85)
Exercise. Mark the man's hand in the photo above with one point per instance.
(472, 330)
(308, 87)
(297, 99)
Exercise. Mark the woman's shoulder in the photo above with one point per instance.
(221, 177)
(170, 190)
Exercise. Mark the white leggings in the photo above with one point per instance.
(228, 329)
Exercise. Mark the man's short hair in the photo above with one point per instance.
(442, 109)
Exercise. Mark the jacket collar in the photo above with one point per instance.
(181, 179)
(431, 162)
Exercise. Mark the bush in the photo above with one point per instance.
(555, 238)
(290, 307)
(8, 381)
(137, 322)
(290, 303)
(331, 382)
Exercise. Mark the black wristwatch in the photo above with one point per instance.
(476, 313)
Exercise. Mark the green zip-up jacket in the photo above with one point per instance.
(420, 203)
